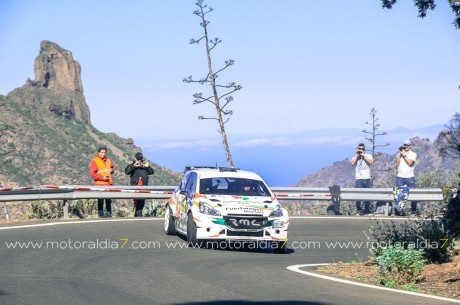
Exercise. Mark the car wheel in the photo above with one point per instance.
(281, 247)
(170, 226)
(191, 232)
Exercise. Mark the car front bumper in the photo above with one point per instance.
(218, 228)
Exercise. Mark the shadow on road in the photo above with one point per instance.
(243, 302)
(240, 246)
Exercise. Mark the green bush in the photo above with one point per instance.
(454, 247)
(121, 213)
(55, 209)
(154, 207)
(451, 217)
(83, 208)
(400, 265)
(411, 287)
(44, 210)
(427, 234)
(437, 178)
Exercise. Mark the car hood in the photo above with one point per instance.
(227, 204)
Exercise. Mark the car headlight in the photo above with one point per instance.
(277, 212)
(208, 210)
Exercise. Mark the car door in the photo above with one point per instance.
(182, 201)
(190, 190)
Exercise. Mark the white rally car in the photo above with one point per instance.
(226, 204)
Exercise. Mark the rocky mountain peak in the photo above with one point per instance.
(55, 68)
(57, 86)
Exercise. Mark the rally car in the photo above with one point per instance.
(226, 204)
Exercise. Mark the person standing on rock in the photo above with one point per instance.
(101, 169)
(139, 171)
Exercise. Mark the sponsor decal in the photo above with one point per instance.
(242, 222)
(248, 210)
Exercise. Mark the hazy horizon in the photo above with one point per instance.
(279, 160)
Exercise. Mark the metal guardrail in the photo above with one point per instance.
(356, 194)
(39, 193)
(283, 193)
(75, 192)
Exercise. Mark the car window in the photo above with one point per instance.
(190, 188)
(233, 186)
(184, 182)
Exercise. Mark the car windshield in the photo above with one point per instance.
(233, 186)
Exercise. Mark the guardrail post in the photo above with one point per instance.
(387, 208)
(5, 210)
(66, 209)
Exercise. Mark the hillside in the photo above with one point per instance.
(342, 173)
(50, 138)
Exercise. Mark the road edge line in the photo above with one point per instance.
(75, 222)
(296, 268)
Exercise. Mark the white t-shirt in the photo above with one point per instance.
(362, 169)
(404, 170)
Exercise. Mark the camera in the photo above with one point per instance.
(401, 148)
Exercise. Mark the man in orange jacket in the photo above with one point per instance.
(101, 169)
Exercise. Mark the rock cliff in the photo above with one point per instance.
(57, 85)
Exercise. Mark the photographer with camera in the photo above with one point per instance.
(405, 160)
(362, 163)
(139, 170)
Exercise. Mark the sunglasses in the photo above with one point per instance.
(407, 145)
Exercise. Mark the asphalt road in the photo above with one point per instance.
(134, 262)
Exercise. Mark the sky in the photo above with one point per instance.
(305, 67)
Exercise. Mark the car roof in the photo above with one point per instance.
(218, 172)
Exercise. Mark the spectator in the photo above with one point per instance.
(362, 162)
(405, 159)
(139, 170)
(101, 169)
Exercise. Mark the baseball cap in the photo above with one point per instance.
(407, 142)
(139, 156)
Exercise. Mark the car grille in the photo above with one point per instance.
(245, 222)
(246, 233)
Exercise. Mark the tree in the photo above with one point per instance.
(449, 145)
(374, 134)
(210, 79)
(449, 139)
(424, 5)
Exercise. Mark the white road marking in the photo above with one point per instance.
(296, 268)
(350, 217)
(161, 219)
(77, 222)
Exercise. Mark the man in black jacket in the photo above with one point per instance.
(139, 170)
